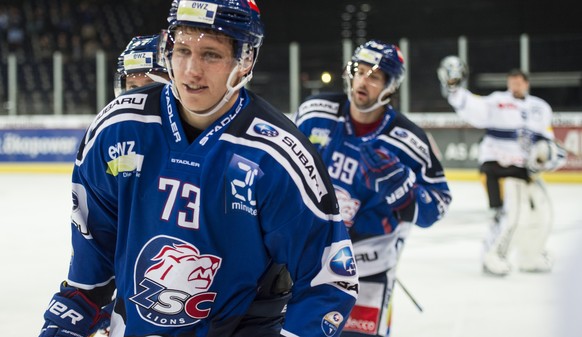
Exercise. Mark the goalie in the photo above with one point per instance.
(517, 145)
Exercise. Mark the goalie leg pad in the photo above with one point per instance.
(533, 233)
(501, 236)
(494, 259)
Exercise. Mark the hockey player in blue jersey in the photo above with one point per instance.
(385, 174)
(186, 193)
(138, 64)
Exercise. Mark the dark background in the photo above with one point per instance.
(320, 20)
(78, 29)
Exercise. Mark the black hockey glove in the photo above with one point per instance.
(382, 172)
(72, 314)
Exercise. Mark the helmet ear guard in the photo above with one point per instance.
(247, 59)
(163, 47)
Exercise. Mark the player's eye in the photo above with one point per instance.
(211, 56)
(375, 77)
(182, 51)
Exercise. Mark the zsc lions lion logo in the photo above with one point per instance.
(174, 283)
(182, 267)
(348, 205)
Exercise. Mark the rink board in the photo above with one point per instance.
(47, 144)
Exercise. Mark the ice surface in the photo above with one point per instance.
(439, 266)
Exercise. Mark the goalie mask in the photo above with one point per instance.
(239, 20)
(138, 62)
(378, 55)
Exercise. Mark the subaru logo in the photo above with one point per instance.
(401, 133)
(343, 262)
(266, 130)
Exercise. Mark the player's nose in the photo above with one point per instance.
(194, 66)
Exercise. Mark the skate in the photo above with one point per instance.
(542, 263)
(495, 265)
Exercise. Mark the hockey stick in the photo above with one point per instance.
(409, 295)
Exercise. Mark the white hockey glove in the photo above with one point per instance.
(452, 73)
(546, 155)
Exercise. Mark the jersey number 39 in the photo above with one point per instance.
(343, 168)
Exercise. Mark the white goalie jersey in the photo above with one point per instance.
(514, 127)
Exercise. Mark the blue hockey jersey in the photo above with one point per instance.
(185, 230)
(325, 119)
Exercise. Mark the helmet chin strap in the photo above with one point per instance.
(388, 91)
(157, 78)
(230, 90)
